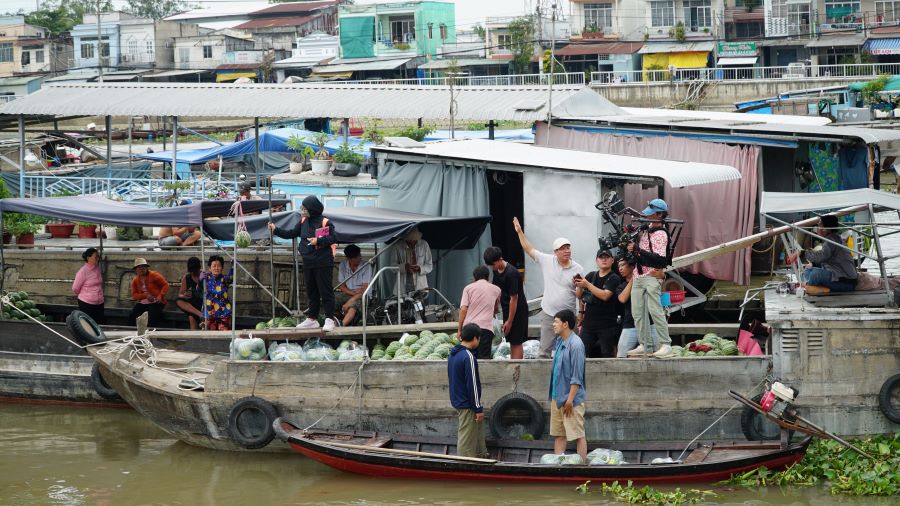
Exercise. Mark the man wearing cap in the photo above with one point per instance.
(596, 291)
(148, 289)
(245, 192)
(559, 272)
(651, 251)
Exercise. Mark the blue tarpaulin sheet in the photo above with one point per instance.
(274, 141)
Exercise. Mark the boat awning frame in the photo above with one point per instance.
(516, 157)
(737, 60)
(782, 202)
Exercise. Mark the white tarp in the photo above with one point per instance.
(778, 203)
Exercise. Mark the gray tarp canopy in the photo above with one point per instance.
(777, 202)
(93, 209)
(370, 225)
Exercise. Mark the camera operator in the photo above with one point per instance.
(599, 330)
(651, 250)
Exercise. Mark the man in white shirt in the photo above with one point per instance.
(413, 255)
(559, 272)
(355, 276)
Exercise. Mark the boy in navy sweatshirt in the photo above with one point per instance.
(465, 393)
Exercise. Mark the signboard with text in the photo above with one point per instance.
(736, 49)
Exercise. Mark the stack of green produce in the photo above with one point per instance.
(425, 346)
(277, 323)
(21, 301)
(253, 348)
(719, 347)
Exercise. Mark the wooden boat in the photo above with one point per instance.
(429, 457)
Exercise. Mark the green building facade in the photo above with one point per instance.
(397, 29)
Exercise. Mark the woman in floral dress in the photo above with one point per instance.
(217, 309)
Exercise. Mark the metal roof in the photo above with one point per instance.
(518, 103)
(777, 202)
(733, 116)
(855, 39)
(749, 126)
(360, 66)
(274, 22)
(18, 80)
(174, 73)
(600, 48)
(500, 154)
(461, 62)
(676, 47)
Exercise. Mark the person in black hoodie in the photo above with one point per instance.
(316, 238)
(465, 393)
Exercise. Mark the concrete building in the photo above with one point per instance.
(279, 26)
(396, 29)
(637, 20)
(309, 51)
(27, 49)
(231, 53)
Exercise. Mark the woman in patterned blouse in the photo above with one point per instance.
(218, 307)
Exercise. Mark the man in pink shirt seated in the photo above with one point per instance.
(480, 302)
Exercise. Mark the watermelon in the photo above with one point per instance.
(260, 325)
(410, 339)
(729, 348)
(242, 239)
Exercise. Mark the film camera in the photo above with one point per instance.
(614, 212)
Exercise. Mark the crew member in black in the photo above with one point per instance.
(597, 292)
(512, 300)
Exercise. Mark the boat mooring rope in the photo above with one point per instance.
(717, 420)
(352, 387)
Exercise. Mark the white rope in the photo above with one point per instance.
(352, 387)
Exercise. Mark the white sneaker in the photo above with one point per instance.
(637, 351)
(664, 351)
(308, 323)
(329, 325)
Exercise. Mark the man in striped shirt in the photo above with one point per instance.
(465, 393)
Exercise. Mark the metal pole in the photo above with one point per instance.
(129, 146)
(2, 260)
(256, 149)
(99, 47)
(550, 77)
(237, 213)
(271, 250)
(202, 263)
(164, 133)
(881, 260)
(296, 273)
(346, 129)
(21, 156)
(175, 149)
(108, 155)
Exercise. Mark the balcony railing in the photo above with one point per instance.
(718, 74)
(571, 78)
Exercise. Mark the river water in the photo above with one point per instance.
(57, 455)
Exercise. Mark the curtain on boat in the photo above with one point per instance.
(440, 190)
(713, 213)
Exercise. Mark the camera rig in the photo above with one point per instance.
(614, 212)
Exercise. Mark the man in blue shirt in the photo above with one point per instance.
(465, 393)
(567, 386)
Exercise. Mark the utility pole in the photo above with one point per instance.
(99, 48)
(539, 43)
(550, 77)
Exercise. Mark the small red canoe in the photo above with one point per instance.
(428, 457)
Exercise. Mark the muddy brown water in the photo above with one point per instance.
(56, 455)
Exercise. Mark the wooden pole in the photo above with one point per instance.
(408, 452)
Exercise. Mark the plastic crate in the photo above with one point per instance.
(677, 296)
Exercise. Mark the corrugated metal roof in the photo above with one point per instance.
(174, 73)
(855, 39)
(519, 103)
(750, 126)
(18, 80)
(461, 62)
(600, 48)
(291, 7)
(778, 203)
(275, 22)
(360, 66)
(676, 47)
(500, 153)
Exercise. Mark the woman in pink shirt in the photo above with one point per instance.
(88, 286)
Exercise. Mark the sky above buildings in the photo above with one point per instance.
(468, 12)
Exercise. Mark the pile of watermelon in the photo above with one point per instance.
(21, 301)
(717, 347)
(277, 323)
(425, 346)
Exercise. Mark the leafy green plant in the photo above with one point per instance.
(592, 28)
(301, 152)
(415, 133)
(678, 32)
(871, 88)
(65, 193)
(842, 469)
(648, 495)
(402, 46)
(19, 224)
(349, 154)
(521, 32)
(320, 139)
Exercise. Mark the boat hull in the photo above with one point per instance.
(715, 461)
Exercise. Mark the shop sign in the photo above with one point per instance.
(736, 49)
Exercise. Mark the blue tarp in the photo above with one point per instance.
(274, 141)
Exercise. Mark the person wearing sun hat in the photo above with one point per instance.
(651, 250)
(560, 274)
(148, 290)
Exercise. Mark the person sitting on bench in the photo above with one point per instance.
(831, 268)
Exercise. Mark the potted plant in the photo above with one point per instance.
(23, 226)
(57, 228)
(301, 153)
(347, 160)
(592, 31)
(87, 230)
(321, 162)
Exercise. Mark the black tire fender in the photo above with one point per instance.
(250, 422)
(101, 386)
(889, 398)
(523, 410)
(84, 329)
(756, 427)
